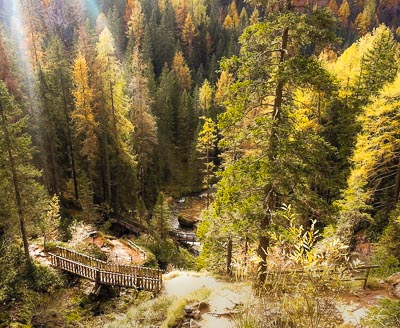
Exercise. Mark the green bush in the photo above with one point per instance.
(45, 279)
(166, 252)
(386, 314)
(92, 250)
(388, 264)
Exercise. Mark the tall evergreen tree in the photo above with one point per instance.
(22, 196)
(145, 129)
(264, 162)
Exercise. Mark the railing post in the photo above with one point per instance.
(97, 277)
(366, 278)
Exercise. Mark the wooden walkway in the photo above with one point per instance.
(104, 273)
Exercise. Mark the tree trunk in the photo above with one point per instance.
(50, 137)
(69, 136)
(117, 150)
(229, 256)
(107, 169)
(15, 181)
(397, 185)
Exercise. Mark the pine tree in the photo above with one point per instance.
(161, 219)
(344, 12)
(17, 172)
(259, 174)
(374, 180)
(188, 35)
(144, 137)
(333, 6)
(206, 95)
(57, 85)
(51, 221)
(136, 22)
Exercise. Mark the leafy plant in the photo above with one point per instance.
(301, 280)
(386, 314)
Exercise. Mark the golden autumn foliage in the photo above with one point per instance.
(82, 115)
(182, 71)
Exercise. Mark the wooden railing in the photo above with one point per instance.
(358, 273)
(132, 225)
(105, 273)
(184, 237)
(137, 248)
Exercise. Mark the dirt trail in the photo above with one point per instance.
(223, 301)
(117, 251)
(354, 306)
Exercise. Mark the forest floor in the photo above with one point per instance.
(354, 304)
(225, 298)
(223, 302)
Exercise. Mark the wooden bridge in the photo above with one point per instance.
(104, 273)
(183, 237)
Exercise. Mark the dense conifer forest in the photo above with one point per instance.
(265, 131)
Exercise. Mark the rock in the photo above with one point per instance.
(394, 278)
(186, 324)
(396, 289)
(187, 309)
(193, 324)
(197, 315)
(203, 307)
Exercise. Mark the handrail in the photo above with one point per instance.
(343, 274)
(137, 248)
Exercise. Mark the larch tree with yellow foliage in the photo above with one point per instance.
(373, 185)
(83, 116)
(111, 108)
(182, 71)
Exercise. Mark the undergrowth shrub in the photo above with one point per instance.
(385, 314)
(45, 279)
(301, 279)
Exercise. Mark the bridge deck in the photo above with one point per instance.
(104, 273)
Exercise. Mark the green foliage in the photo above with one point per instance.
(45, 279)
(175, 310)
(17, 174)
(147, 313)
(387, 254)
(302, 282)
(51, 221)
(161, 218)
(11, 270)
(386, 314)
(167, 252)
(388, 263)
(206, 146)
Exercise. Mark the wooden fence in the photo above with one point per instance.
(105, 273)
(359, 273)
